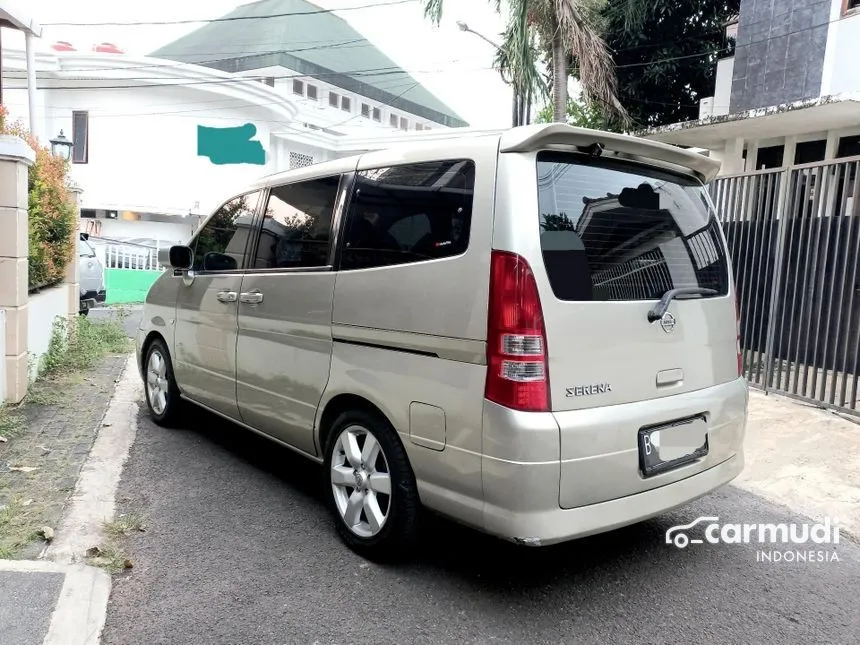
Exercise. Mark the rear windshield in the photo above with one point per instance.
(613, 230)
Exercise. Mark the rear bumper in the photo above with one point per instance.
(550, 526)
(551, 477)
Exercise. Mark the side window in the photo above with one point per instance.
(409, 213)
(297, 225)
(220, 245)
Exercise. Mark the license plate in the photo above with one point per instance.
(666, 447)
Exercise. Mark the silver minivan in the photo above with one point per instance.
(533, 333)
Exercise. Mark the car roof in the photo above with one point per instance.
(553, 136)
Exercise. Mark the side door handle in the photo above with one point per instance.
(251, 297)
(226, 296)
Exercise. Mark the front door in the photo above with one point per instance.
(285, 344)
(207, 307)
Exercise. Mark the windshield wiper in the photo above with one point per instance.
(661, 307)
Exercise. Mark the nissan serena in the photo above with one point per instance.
(533, 333)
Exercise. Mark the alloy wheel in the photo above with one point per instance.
(361, 481)
(157, 385)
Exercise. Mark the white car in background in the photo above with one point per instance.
(91, 276)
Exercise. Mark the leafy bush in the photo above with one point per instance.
(51, 209)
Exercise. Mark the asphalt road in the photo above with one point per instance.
(239, 550)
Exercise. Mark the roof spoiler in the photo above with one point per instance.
(534, 137)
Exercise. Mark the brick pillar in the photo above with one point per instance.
(15, 159)
(72, 277)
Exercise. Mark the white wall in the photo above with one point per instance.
(143, 161)
(43, 308)
(168, 231)
(841, 70)
(723, 89)
(3, 353)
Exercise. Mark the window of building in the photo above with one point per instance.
(220, 244)
(404, 124)
(392, 120)
(770, 157)
(377, 114)
(849, 147)
(298, 160)
(298, 88)
(810, 151)
(419, 127)
(851, 5)
(409, 213)
(312, 92)
(297, 225)
(365, 110)
(345, 104)
(334, 99)
(80, 137)
(268, 80)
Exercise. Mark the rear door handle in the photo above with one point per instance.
(251, 297)
(226, 296)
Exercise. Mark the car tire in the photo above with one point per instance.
(159, 384)
(378, 477)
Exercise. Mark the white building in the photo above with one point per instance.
(790, 94)
(305, 88)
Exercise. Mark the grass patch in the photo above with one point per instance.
(16, 529)
(125, 525)
(110, 558)
(42, 394)
(11, 425)
(79, 344)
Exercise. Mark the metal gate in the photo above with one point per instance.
(794, 239)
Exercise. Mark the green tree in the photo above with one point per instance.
(568, 34)
(665, 53)
(579, 114)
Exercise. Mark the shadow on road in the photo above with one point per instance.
(447, 546)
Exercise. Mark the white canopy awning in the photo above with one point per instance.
(14, 16)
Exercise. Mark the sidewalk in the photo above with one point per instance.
(58, 599)
(805, 458)
(60, 462)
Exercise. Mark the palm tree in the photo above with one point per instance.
(568, 31)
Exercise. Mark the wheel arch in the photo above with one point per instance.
(339, 404)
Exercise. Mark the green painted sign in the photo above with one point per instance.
(230, 145)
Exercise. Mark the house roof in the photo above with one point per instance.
(298, 35)
(801, 117)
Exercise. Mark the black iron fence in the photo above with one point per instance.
(794, 239)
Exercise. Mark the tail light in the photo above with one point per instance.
(517, 367)
(738, 338)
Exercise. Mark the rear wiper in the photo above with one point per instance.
(661, 307)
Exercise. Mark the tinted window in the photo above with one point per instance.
(409, 213)
(220, 245)
(297, 225)
(615, 231)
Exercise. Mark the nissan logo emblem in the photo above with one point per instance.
(667, 322)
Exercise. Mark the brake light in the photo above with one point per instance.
(738, 338)
(517, 366)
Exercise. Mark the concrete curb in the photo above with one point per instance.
(94, 499)
(81, 607)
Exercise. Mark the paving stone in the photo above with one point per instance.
(68, 430)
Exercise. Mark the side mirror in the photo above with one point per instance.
(219, 262)
(176, 257)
